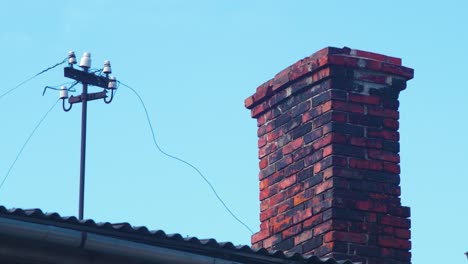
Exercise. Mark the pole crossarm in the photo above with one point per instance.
(89, 97)
(86, 77)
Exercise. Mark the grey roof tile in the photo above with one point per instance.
(156, 237)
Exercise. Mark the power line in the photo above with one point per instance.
(32, 77)
(183, 161)
(25, 143)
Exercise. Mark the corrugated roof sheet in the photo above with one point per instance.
(157, 237)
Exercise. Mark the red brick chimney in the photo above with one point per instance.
(329, 162)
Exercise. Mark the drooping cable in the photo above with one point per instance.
(26, 142)
(183, 161)
(32, 77)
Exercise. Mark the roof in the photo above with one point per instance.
(207, 247)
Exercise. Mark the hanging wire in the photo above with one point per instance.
(58, 87)
(25, 143)
(183, 161)
(32, 77)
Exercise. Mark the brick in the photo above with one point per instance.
(365, 250)
(259, 109)
(321, 206)
(393, 146)
(280, 79)
(366, 120)
(286, 102)
(262, 141)
(391, 103)
(265, 117)
(314, 180)
(398, 70)
(269, 191)
(392, 167)
(263, 163)
(269, 170)
(267, 149)
(305, 235)
(364, 99)
(383, 155)
(365, 164)
(384, 134)
(324, 186)
(402, 233)
(298, 70)
(374, 56)
(325, 140)
(305, 174)
(392, 242)
(339, 116)
(295, 189)
(258, 245)
(315, 221)
(282, 163)
(302, 152)
(373, 206)
(284, 206)
(344, 150)
(322, 227)
(383, 112)
(282, 119)
(295, 144)
(321, 120)
(301, 130)
(273, 240)
(313, 135)
(284, 245)
(312, 243)
(289, 181)
(291, 231)
(300, 108)
(321, 98)
(267, 214)
(395, 221)
(401, 211)
(277, 198)
(281, 223)
(301, 215)
(274, 134)
(391, 124)
(248, 102)
(345, 237)
(270, 180)
(366, 142)
(303, 196)
(292, 124)
(262, 234)
(293, 168)
(264, 205)
(275, 156)
(329, 161)
(347, 107)
(343, 128)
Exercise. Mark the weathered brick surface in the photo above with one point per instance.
(329, 158)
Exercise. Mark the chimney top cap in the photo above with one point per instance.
(328, 56)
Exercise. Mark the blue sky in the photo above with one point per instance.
(194, 62)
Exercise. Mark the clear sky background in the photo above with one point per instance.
(194, 63)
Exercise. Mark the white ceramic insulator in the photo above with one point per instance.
(112, 83)
(63, 92)
(107, 67)
(85, 61)
(71, 57)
